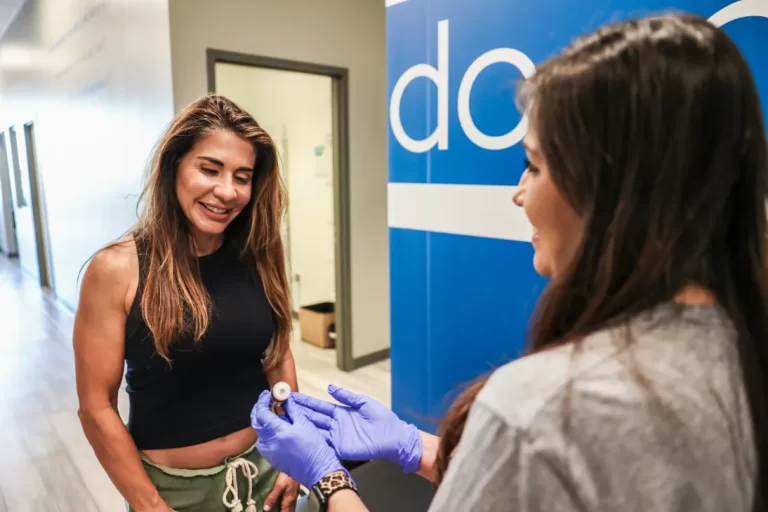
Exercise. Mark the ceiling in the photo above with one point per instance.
(8, 10)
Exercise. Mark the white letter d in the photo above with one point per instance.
(439, 76)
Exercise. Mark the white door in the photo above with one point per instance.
(7, 230)
(22, 204)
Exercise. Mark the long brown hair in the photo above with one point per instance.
(174, 300)
(652, 130)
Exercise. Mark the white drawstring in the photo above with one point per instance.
(250, 471)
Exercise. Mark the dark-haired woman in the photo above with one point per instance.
(194, 301)
(646, 383)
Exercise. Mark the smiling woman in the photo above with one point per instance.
(214, 185)
(194, 302)
(646, 377)
(554, 220)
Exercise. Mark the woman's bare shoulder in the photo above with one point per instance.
(115, 259)
(115, 268)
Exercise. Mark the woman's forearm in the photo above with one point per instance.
(285, 371)
(346, 501)
(120, 458)
(430, 445)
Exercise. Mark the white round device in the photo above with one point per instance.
(281, 391)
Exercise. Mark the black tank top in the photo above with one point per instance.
(210, 387)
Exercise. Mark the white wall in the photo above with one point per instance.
(296, 109)
(94, 76)
(343, 33)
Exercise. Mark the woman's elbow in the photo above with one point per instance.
(87, 415)
(91, 414)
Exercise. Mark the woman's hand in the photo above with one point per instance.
(291, 443)
(364, 429)
(288, 489)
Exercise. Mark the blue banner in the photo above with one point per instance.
(462, 281)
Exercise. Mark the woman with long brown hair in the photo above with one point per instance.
(645, 386)
(194, 302)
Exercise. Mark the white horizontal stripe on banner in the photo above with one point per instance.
(474, 210)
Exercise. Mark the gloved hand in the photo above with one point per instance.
(291, 443)
(364, 429)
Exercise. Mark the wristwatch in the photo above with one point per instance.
(322, 491)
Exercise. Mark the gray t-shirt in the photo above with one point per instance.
(660, 424)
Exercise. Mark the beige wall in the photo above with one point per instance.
(343, 33)
(94, 77)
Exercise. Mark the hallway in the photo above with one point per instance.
(39, 466)
(46, 464)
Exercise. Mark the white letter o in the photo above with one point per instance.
(493, 142)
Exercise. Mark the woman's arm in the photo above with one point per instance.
(284, 371)
(427, 467)
(346, 501)
(99, 345)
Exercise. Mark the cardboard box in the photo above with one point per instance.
(315, 322)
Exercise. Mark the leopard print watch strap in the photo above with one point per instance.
(330, 484)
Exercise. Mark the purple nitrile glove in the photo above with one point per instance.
(291, 443)
(364, 429)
